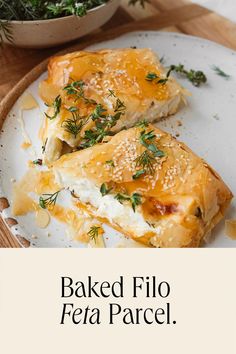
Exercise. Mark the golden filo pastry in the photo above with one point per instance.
(149, 186)
(129, 83)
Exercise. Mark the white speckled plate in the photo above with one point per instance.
(209, 126)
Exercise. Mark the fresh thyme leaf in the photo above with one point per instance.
(110, 163)
(56, 106)
(138, 174)
(151, 76)
(75, 124)
(48, 200)
(98, 112)
(135, 199)
(145, 137)
(142, 124)
(147, 159)
(76, 88)
(111, 93)
(120, 106)
(44, 146)
(104, 190)
(94, 232)
(38, 162)
(220, 72)
(102, 129)
(196, 77)
(156, 152)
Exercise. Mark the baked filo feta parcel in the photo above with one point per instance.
(147, 185)
(122, 84)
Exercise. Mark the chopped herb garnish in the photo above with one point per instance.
(111, 93)
(38, 162)
(48, 200)
(142, 124)
(44, 146)
(135, 199)
(196, 77)
(138, 174)
(94, 232)
(120, 106)
(102, 129)
(98, 112)
(104, 190)
(151, 76)
(146, 139)
(56, 105)
(220, 72)
(75, 124)
(146, 162)
(148, 157)
(76, 88)
(110, 163)
(146, 136)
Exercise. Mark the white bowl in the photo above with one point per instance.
(48, 33)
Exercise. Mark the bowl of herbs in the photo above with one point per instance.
(41, 24)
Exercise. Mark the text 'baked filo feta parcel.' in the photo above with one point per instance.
(126, 83)
(147, 185)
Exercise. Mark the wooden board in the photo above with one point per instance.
(167, 15)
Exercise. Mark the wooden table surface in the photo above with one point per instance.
(167, 15)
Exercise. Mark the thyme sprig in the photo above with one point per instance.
(151, 76)
(135, 199)
(76, 88)
(196, 77)
(146, 139)
(75, 124)
(146, 162)
(98, 112)
(48, 200)
(94, 232)
(220, 72)
(56, 105)
(103, 125)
